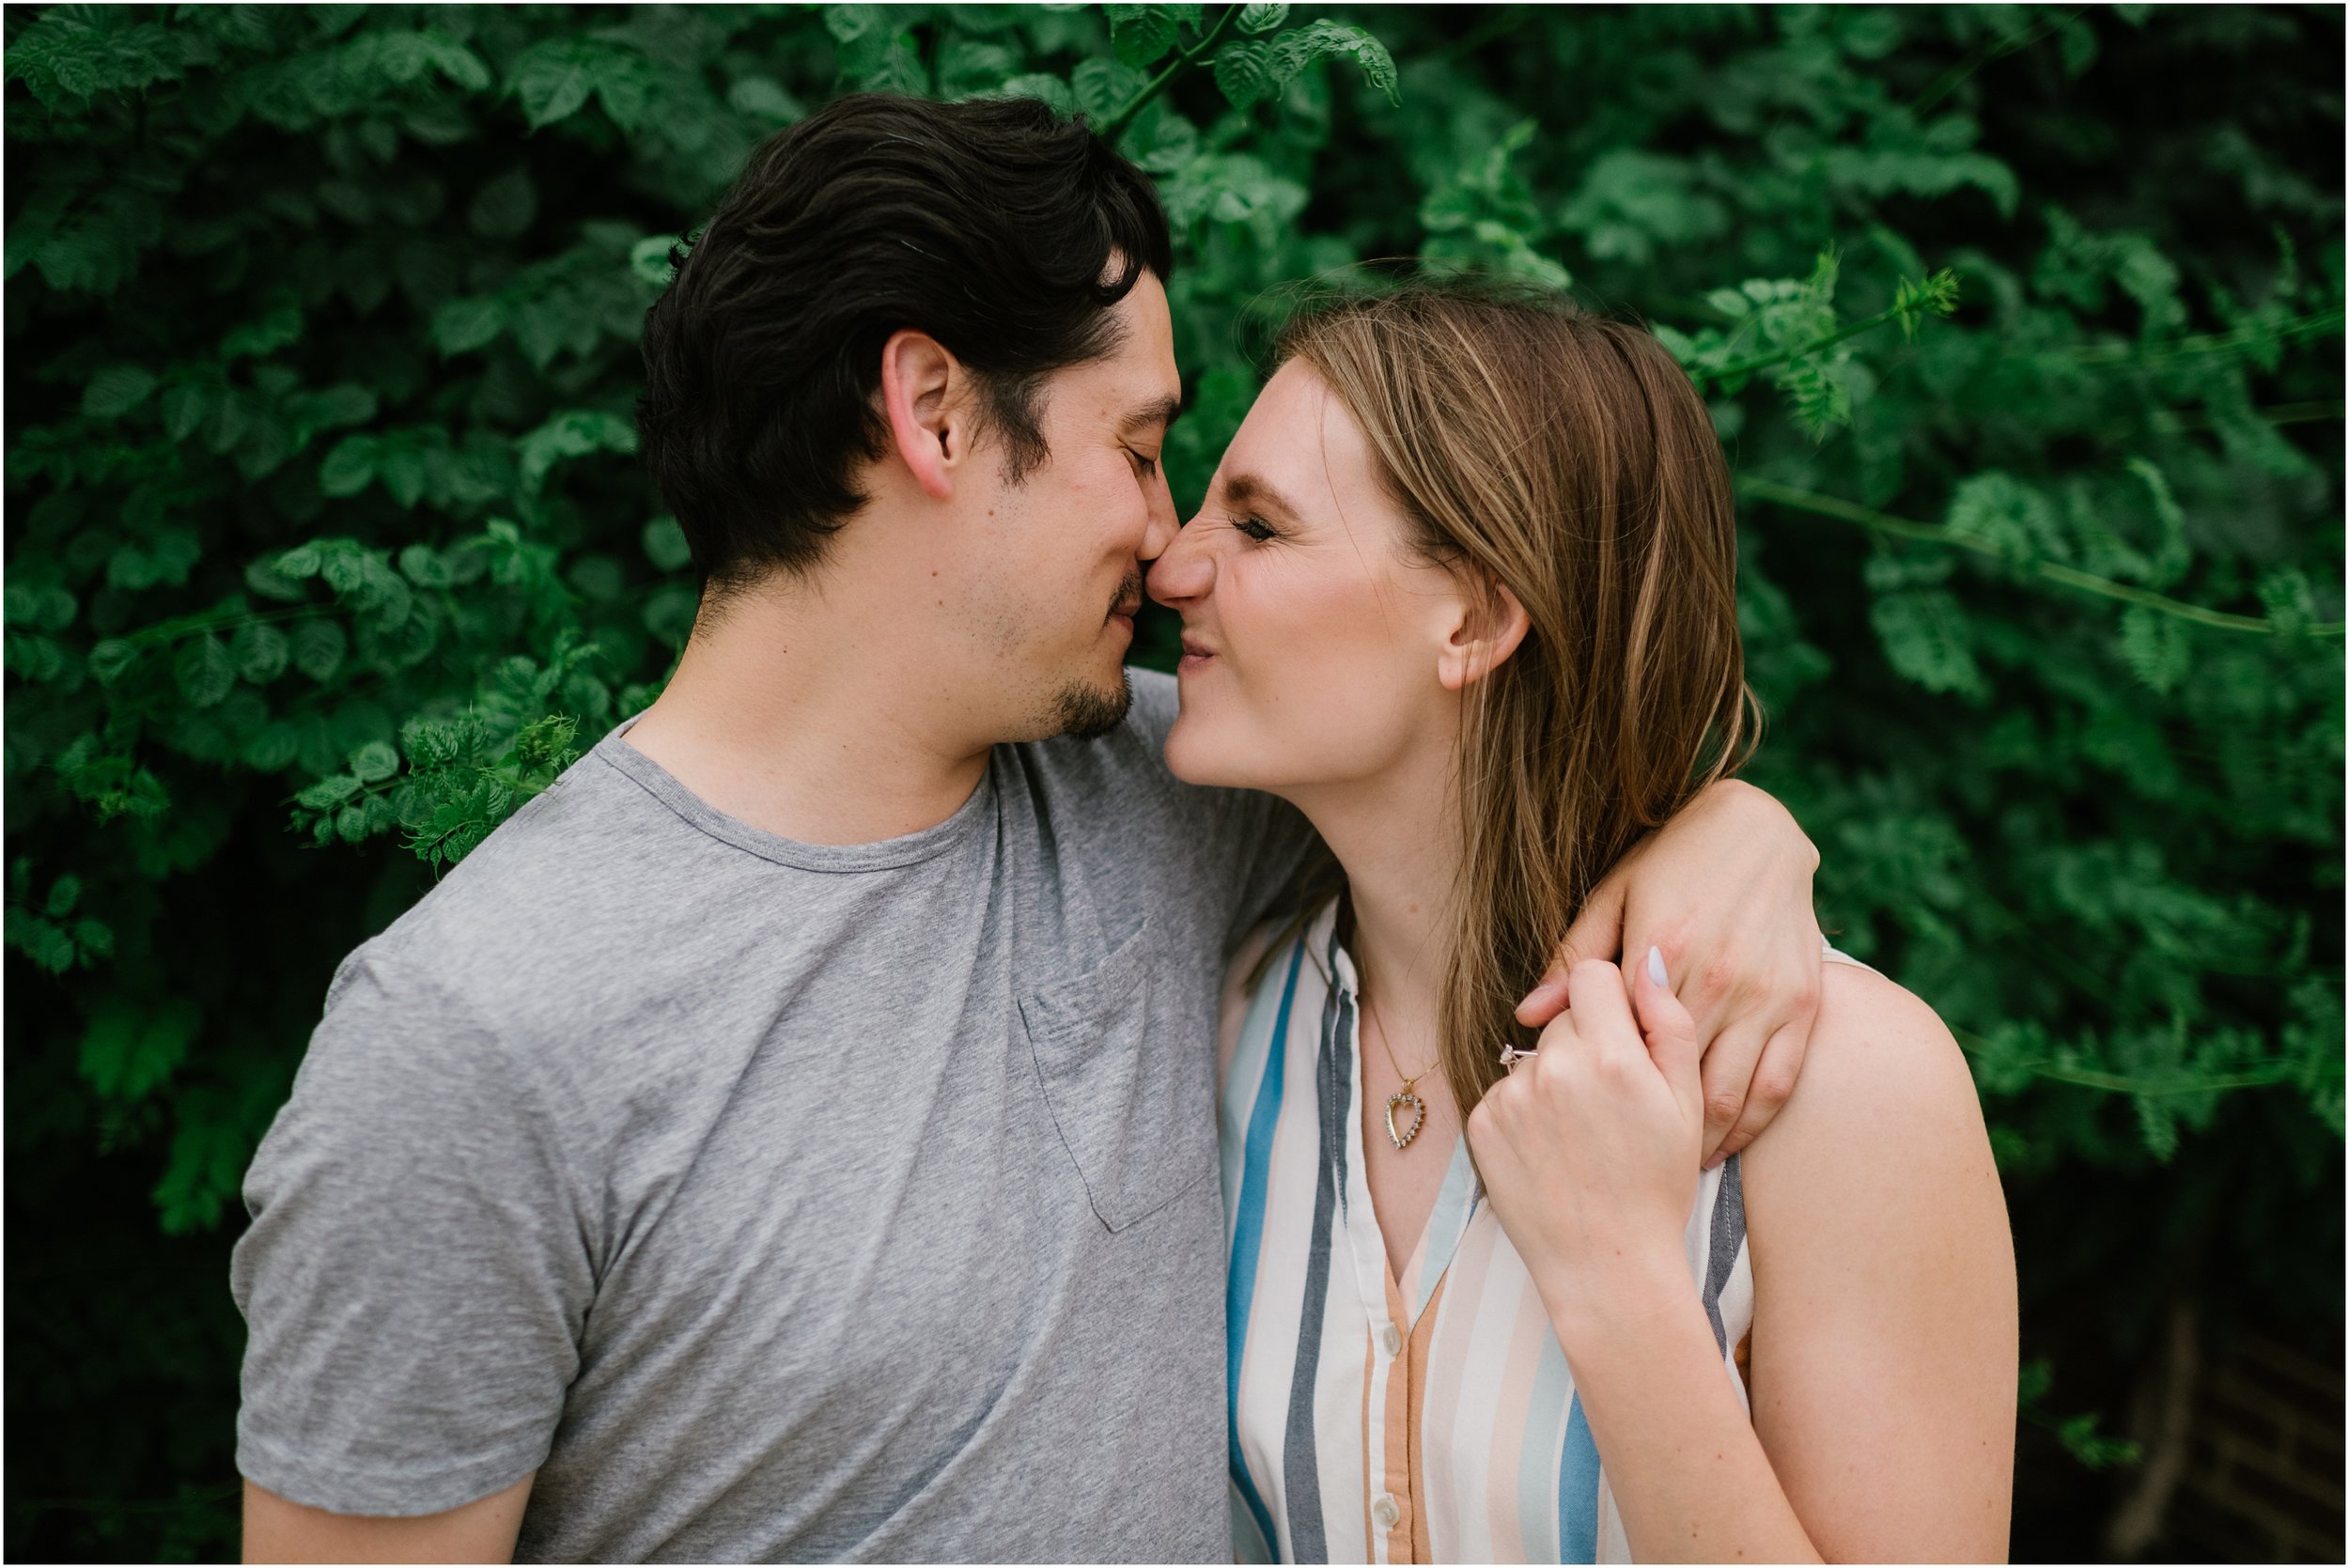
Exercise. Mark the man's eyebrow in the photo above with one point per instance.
(1159, 413)
(1251, 490)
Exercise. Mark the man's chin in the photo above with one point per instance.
(1088, 711)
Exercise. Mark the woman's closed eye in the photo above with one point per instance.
(1255, 527)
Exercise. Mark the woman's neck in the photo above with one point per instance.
(1397, 838)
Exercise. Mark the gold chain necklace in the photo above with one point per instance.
(1404, 1095)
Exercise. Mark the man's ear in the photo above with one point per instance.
(923, 387)
(1490, 626)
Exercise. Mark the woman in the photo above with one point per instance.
(1468, 545)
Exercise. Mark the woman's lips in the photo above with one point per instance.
(1196, 657)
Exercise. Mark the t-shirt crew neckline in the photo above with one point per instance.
(882, 854)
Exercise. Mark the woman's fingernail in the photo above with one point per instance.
(1656, 968)
(1715, 1161)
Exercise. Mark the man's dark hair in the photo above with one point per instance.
(989, 225)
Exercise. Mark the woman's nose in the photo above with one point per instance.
(1183, 571)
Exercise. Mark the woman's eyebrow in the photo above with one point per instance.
(1251, 490)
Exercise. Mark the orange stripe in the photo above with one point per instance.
(1421, 1351)
(1402, 1439)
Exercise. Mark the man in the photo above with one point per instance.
(792, 1135)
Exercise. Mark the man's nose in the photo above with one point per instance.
(1164, 526)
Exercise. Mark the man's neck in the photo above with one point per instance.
(808, 715)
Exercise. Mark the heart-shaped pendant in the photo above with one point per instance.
(1418, 1117)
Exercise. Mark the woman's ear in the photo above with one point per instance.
(1491, 625)
(921, 392)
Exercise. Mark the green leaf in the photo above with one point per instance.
(110, 658)
(571, 434)
(204, 671)
(375, 762)
(317, 648)
(2158, 1123)
(1292, 51)
(454, 61)
(272, 748)
(260, 653)
(424, 568)
(2002, 511)
(115, 391)
(64, 894)
(329, 792)
(1263, 18)
(1244, 72)
(1924, 636)
(764, 99)
(281, 327)
(183, 408)
(1045, 87)
(346, 471)
(2291, 604)
(504, 207)
(1140, 33)
(464, 324)
(665, 545)
(130, 1050)
(2155, 647)
(648, 259)
(1104, 87)
(552, 80)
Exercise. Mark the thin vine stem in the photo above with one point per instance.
(164, 632)
(1884, 523)
(2118, 1083)
(1763, 361)
(1982, 53)
(1185, 59)
(2274, 413)
(2210, 343)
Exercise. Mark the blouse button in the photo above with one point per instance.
(1393, 1340)
(1383, 1513)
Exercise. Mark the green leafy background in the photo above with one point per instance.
(326, 549)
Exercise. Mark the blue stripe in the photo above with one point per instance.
(1301, 1461)
(1239, 1289)
(1537, 1450)
(1578, 1491)
(1447, 1223)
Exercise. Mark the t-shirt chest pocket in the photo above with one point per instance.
(1121, 1098)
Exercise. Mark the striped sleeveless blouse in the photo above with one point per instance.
(1428, 1418)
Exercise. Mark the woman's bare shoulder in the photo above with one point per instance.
(1884, 1114)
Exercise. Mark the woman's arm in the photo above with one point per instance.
(1885, 1341)
(1883, 1356)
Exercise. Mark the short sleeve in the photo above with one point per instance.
(1273, 848)
(1254, 847)
(417, 1273)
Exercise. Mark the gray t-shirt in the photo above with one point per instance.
(776, 1200)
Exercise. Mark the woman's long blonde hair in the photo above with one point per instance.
(1534, 443)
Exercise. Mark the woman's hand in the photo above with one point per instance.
(1590, 1151)
(1724, 889)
